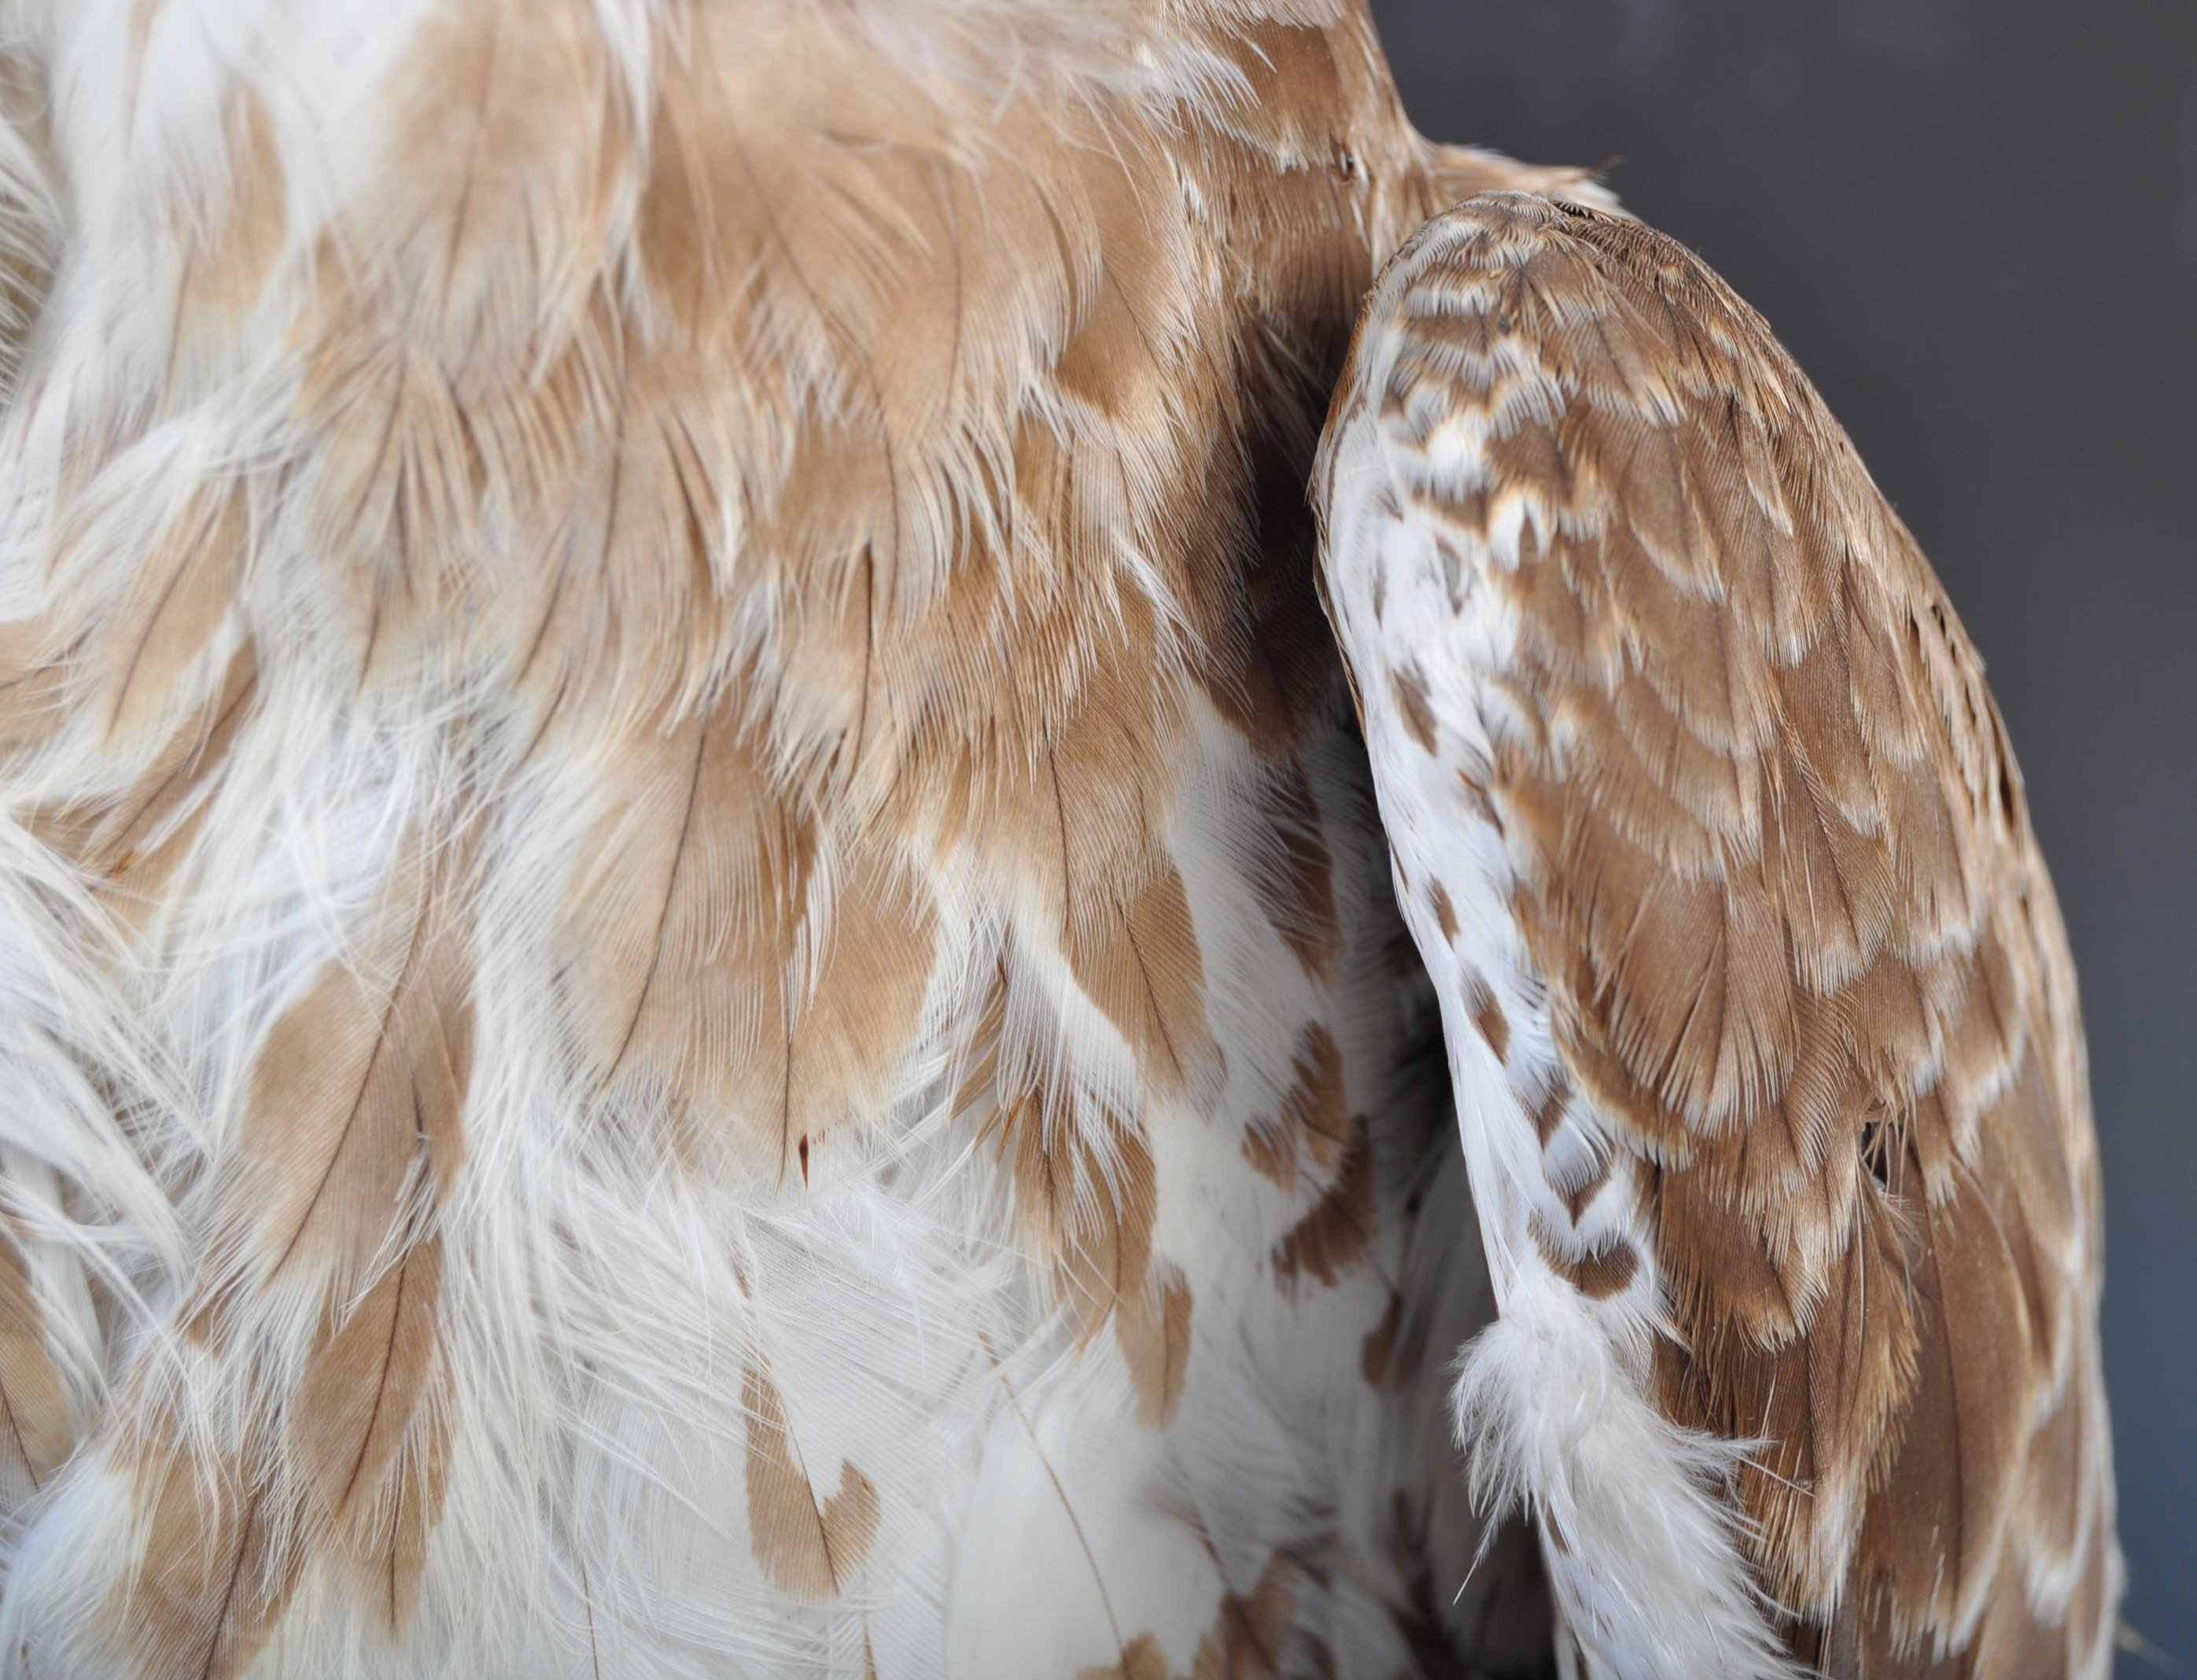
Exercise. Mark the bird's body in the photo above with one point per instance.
(696, 948)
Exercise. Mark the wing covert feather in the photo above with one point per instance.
(1770, 879)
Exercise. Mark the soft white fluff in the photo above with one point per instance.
(1552, 1410)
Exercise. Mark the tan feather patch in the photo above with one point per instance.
(364, 1383)
(370, 1435)
(1446, 916)
(211, 1581)
(1546, 1107)
(1381, 1361)
(1153, 1329)
(1488, 1016)
(1141, 1660)
(1250, 1640)
(360, 1085)
(812, 1546)
(1771, 874)
(1297, 888)
(689, 929)
(180, 595)
(1597, 1273)
(1411, 686)
(37, 1432)
(1335, 1238)
(1085, 1197)
(1086, 1200)
(228, 255)
(1138, 959)
(1312, 1117)
(130, 843)
(351, 1135)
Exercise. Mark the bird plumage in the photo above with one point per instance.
(1710, 836)
(698, 973)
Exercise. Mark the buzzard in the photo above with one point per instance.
(958, 837)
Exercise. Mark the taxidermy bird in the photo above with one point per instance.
(961, 838)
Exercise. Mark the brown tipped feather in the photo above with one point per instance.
(213, 1582)
(812, 1544)
(1153, 1327)
(1336, 1238)
(356, 1098)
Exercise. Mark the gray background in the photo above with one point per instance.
(1974, 222)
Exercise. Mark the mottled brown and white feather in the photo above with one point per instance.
(1705, 824)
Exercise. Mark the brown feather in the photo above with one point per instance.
(1296, 886)
(688, 930)
(812, 1545)
(356, 1096)
(1086, 1200)
(1153, 1329)
(369, 1433)
(177, 602)
(1313, 1115)
(1336, 1238)
(211, 1581)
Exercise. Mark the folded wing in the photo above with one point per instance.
(1760, 1011)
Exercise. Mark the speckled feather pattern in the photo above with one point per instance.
(1709, 834)
(697, 960)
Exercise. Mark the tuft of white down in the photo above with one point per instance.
(1552, 1412)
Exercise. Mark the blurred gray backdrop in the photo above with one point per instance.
(1974, 223)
